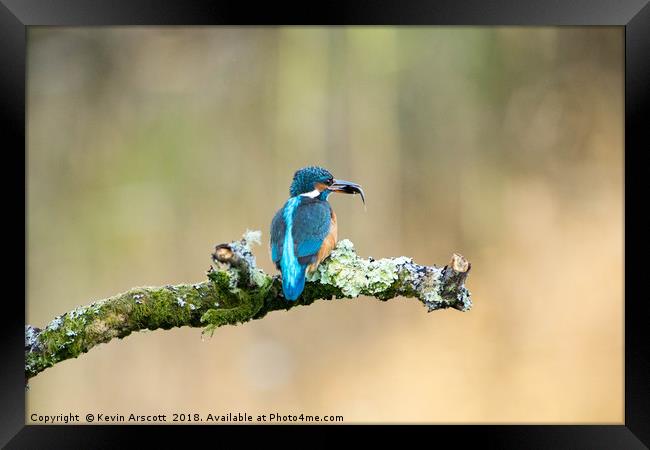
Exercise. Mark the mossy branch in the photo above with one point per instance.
(237, 291)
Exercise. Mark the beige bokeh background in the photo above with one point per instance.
(147, 146)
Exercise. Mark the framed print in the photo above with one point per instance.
(416, 213)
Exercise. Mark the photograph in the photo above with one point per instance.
(325, 225)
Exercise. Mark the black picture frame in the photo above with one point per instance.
(633, 15)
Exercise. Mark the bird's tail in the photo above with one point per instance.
(293, 281)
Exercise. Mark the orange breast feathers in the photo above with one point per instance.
(327, 246)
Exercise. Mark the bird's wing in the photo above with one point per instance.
(278, 228)
(311, 224)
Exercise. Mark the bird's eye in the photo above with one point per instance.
(329, 181)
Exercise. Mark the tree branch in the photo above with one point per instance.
(237, 291)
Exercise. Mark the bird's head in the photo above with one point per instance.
(317, 182)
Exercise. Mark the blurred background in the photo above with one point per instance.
(147, 146)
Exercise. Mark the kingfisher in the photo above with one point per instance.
(304, 231)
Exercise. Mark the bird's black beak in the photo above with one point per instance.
(347, 187)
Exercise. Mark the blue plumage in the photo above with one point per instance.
(311, 223)
(278, 229)
(300, 227)
(293, 273)
(297, 233)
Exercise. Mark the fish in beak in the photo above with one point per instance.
(347, 187)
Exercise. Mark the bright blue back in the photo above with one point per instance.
(297, 233)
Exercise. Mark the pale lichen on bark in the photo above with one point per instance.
(390, 277)
(237, 291)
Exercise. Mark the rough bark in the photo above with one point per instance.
(237, 291)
